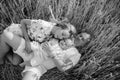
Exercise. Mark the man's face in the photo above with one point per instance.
(85, 36)
(81, 39)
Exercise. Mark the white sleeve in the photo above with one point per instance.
(73, 54)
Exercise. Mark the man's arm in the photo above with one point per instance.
(57, 63)
(61, 64)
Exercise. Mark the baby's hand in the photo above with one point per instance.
(34, 45)
(47, 49)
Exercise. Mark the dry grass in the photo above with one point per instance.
(100, 60)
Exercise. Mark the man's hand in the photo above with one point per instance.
(28, 47)
(25, 63)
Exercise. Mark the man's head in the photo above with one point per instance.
(81, 39)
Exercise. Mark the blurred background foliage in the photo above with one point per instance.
(101, 18)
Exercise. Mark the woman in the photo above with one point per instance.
(39, 30)
(16, 29)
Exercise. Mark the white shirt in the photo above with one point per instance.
(40, 29)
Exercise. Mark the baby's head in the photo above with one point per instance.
(65, 44)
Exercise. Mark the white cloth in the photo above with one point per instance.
(63, 56)
(40, 57)
(41, 62)
(73, 54)
(37, 70)
(40, 29)
(21, 51)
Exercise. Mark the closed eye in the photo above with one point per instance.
(63, 34)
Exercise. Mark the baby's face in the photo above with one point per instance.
(65, 44)
(65, 33)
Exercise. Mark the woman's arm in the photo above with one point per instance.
(24, 24)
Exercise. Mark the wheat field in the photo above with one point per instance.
(101, 18)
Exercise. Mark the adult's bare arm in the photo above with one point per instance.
(24, 25)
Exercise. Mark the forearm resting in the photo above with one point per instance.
(59, 64)
(24, 24)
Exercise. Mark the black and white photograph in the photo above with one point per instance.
(59, 39)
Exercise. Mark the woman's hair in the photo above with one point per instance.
(62, 25)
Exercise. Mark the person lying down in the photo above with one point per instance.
(47, 55)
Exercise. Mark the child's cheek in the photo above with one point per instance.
(67, 34)
(60, 35)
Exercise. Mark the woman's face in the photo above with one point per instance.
(61, 33)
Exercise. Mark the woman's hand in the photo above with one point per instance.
(28, 47)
